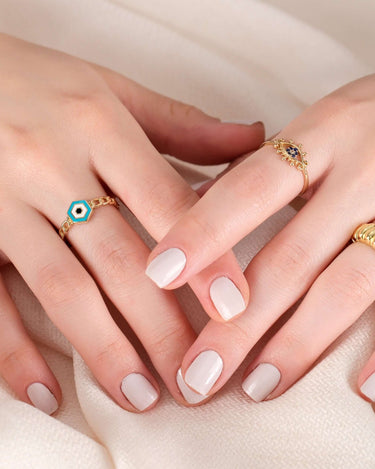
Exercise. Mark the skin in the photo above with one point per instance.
(310, 256)
(71, 130)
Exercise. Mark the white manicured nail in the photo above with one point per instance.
(261, 381)
(227, 298)
(166, 267)
(197, 185)
(190, 396)
(42, 398)
(205, 370)
(368, 387)
(139, 391)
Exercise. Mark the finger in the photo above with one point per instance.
(336, 299)
(21, 364)
(293, 259)
(366, 380)
(202, 187)
(115, 255)
(158, 196)
(73, 302)
(286, 266)
(247, 195)
(180, 129)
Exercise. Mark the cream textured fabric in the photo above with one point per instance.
(238, 59)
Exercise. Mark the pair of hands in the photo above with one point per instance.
(71, 130)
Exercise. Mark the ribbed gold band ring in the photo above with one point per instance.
(365, 234)
(293, 154)
(80, 211)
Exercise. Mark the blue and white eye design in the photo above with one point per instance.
(292, 151)
(79, 211)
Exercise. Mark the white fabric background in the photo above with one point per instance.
(238, 59)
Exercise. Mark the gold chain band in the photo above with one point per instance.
(365, 234)
(80, 211)
(293, 154)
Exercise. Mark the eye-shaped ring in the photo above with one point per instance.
(80, 211)
(293, 154)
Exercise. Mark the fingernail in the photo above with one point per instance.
(42, 398)
(189, 395)
(198, 185)
(139, 391)
(368, 387)
(242, 122)
(261, 381)
(166, 267)
(205, 370)
(227, 298)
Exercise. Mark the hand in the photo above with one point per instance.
(310, 256)
(70, 130)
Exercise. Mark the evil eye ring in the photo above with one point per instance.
(293, 154)
(80, 211)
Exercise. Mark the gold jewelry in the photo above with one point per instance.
(291, 152)
(365, 234)
(80, 211)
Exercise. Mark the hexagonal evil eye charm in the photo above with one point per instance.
(79, 211)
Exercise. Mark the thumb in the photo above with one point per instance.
(180, 129)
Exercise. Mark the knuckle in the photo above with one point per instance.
(186, 113)
(17, 135)
(59, 286)
(17, 358)
(23, 141)
(291, 344)
(292, 259)
(351, 287)
(200, 225)
(169, 202)
(335, 105)
(176, 108)
(94, 110)
(343, 109)
(252, 184)
(164, 343)
(31, 154)
(240, 336)
(286, 263)
(112, 352)
(122, 261)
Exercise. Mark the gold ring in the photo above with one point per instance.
(291, 152)
(365, 234)
(80, 211)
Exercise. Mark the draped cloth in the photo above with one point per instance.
(237, 59)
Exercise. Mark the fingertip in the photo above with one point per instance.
(244, 123)
(190, 397)
(140, 392)
(228, 300)
(43, 398)
(367, 388)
